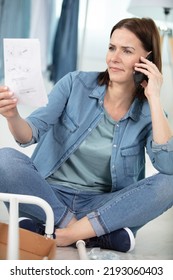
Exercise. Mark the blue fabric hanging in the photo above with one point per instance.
(14, 23)
(64, 57)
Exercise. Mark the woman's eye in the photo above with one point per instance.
(111, 48)
(127, 51)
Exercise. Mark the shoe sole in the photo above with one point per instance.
(132, 239)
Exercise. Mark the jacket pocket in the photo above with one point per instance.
(133, 159)
(64, 128)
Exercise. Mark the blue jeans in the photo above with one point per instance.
(131, 207)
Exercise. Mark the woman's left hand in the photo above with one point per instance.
(153, 86)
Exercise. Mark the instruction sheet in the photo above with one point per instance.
(22, 71)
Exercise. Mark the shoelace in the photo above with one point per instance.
(102, 242)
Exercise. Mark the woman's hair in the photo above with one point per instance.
(147, 32)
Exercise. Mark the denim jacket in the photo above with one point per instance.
(75, 108)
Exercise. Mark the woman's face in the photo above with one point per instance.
(124, 50)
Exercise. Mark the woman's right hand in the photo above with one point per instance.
(19, 128)
(8, 103)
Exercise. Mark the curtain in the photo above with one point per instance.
(41, 27)
(64, 57)
(14, 23)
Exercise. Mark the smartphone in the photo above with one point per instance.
(140, 77)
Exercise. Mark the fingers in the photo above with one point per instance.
(3, 92)
(7, 100)
(3, 88)
(148, 68)
(6, 94)
(155, 78)
(146, 65)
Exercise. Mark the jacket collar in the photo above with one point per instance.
(98, 92)
(135, 109)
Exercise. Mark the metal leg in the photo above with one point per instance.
(13, 233)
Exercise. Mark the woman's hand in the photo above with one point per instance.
(162, 131)
(19, 128)
(8, 103)
(153, 86)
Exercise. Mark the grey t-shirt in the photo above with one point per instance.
(88, 168)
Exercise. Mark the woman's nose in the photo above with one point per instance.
(116, 57)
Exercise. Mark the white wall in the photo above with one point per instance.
(100, 17)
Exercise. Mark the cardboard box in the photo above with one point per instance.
(32, 246)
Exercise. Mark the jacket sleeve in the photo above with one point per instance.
(42, 119)
(161, 156)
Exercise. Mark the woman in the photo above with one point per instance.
(89, 163)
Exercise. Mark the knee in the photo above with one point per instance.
(9, 158)
(6, 158)
(6, 154)
(168, 180)
(166, 186)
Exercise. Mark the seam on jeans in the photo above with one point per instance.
(61, 222)
(126, 194)
(102, 223)
(95, 217)
(75, 196)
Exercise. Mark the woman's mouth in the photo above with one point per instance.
(116, 69)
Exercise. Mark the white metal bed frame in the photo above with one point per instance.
(13, 231)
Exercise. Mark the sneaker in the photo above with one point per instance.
(33, 226)
(121, 240)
